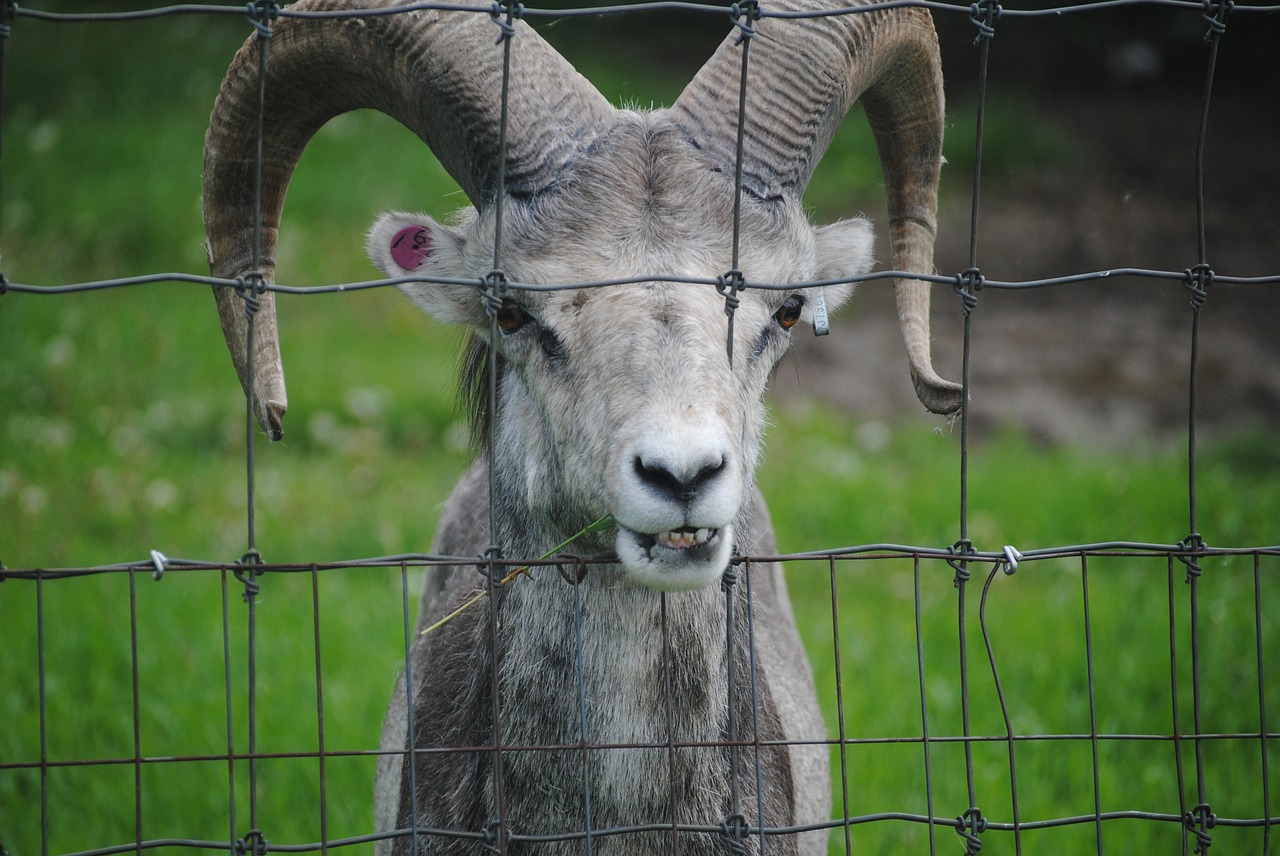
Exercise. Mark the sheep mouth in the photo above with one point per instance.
(683, 538)
(680, 559)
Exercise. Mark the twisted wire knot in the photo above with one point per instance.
(492, 835)
(962, 549)
(491, 554)
(493, 287)
(972, 824)
(250, 288)
(983, 15)
(253, 844)
(744, 15)
(247, 572)
(967, 284)
(260, 14)
(1197, 280)
(729, 578)
(578, 566)
(160, 563)
(728, 284)
(504, 13)
(733, 829)
(1192, 544)
(1215, 15)
(1198, 822)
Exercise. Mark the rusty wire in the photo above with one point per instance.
(972, 824)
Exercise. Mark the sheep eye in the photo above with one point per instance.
(511, 317)
(788, 313)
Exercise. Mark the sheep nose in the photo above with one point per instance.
(679, 479)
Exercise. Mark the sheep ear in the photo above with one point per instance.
(402, 244)
(842, 249)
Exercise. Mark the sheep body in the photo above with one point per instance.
(640, 401)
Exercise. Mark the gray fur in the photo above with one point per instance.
(626, 702)
(552, 473)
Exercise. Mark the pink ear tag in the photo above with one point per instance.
(411, 247)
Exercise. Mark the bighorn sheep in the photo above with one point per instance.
(618, 401)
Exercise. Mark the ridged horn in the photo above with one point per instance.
(437, 72)
(804, 74)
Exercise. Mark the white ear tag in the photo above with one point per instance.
(821, 324)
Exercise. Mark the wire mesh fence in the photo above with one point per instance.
(1109, 766)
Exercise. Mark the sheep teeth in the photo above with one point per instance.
(684, 538)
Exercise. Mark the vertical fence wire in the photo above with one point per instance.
(840, 723)
(1174, 700)
(250, 596)
(734, 825)
(1201, 818)
(42, 688)
(754, 685)
(410, 756)
(1265, 785)
(8, 10)
(1093, 701)
(496, 284)
(668, 694)
(584, 731)
(925, 741)
(320, 743)
(731, 283)
(971, 822)
(137, 712)
(1004, 708)
(254, 841)
(229, 708)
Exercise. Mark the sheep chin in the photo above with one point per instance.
(647, 563)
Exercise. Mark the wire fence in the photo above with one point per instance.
(1221, 767)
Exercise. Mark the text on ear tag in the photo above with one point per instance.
(411, 247)
(821, 324)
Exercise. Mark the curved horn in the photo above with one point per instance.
(438, 73)
(805, 75)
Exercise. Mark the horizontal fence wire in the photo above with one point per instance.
(934, 742)
(970, 571)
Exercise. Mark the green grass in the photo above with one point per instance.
(122, 431)
(1036, 622)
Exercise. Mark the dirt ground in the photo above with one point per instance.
(1108, 360)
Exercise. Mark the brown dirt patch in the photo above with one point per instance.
(1106, 360)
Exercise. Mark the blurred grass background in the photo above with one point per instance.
(122, 431)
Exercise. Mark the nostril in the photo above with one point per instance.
(708, 473)
(683, 485)
(657, 477)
